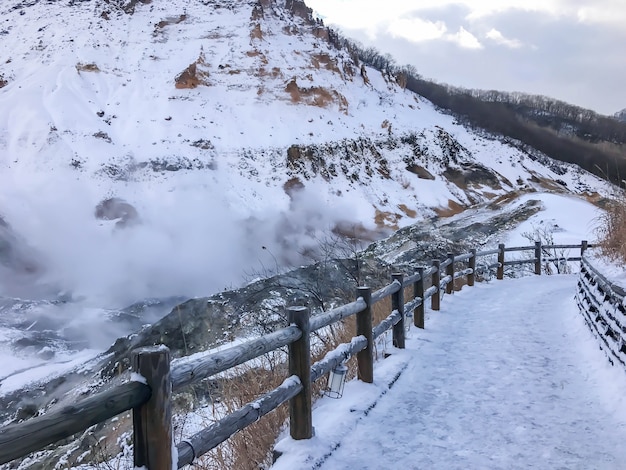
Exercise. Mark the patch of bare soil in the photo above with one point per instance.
(387, 219)
(504, 199)
(326, 61)
(452, 209)
(193, 76)
(316, 96)
(409, 212)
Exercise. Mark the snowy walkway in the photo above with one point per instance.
(506, 376)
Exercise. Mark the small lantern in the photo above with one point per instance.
(336, 381)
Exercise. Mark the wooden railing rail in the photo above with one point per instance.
(190, 372)
(148, 393)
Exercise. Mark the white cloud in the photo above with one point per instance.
(465, 39)
(611, 12)
(416, 29)
(498, 38)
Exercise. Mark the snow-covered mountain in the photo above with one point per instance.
(164, 149)
(221, 127)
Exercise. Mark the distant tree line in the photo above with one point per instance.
(560, 130)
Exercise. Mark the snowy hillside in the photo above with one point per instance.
(157, 151)
(227, 126)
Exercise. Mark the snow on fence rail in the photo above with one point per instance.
(602, 305)
(148, 393)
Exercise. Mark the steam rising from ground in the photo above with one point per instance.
(191, 240)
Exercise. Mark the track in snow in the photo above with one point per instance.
(506, 376)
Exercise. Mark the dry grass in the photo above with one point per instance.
(91, 67)
(251, 448)
(612, 230)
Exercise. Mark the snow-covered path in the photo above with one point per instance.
(506, 376)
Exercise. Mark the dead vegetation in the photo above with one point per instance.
(251, 448)
(91, 67)
(612, 230)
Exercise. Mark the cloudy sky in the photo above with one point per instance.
(573, 50)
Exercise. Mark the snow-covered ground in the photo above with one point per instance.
(505, 376)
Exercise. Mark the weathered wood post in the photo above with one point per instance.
(365, 358)
(397, 303)
(152, 422)
(471, 277)
(450, 272)
(500, 271)
(538, 258)
(300, 415)
(436, 279)
(418, 291)
(583, 247)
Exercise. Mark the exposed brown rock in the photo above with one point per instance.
(292, 186)
(299, 8)
(316, 96)
(256, 32)
(325, 60)
(421, 172)
(193, 76)
(364, 75)
(452, 209)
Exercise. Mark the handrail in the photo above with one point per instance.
(190, 372)
(386, 291)
(17, 440)
(337, 314)
(601, 302)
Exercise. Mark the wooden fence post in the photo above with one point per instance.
(538, 258)
(365, 358)
(471, 278)
(436, 278)
(397, 303)
(450, 272)
(500, 271)
(300, 415)
(418, 291)
(583, 247)
(152, 422)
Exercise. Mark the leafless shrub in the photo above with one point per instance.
(612, 230)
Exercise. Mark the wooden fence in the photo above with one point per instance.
(152, 383)
(602, 306)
